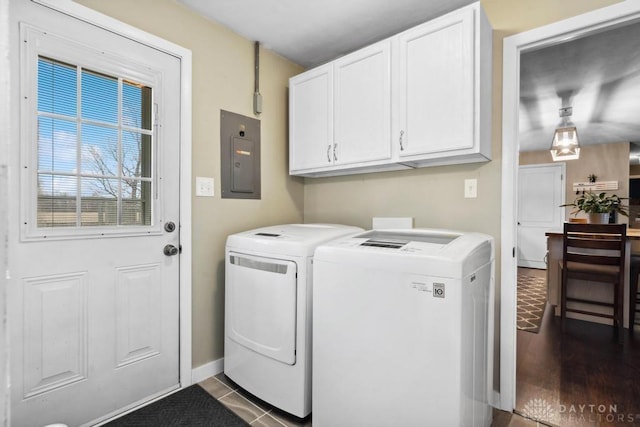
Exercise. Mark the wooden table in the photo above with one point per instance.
(590, 289)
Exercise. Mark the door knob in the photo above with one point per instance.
(170, 250)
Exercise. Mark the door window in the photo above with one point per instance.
(95, 145)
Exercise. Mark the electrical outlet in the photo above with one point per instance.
(470, 188)
(204, 186)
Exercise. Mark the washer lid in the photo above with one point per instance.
(289, 239)
(443, 253)
(392, 239)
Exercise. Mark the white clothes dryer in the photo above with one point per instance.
(268, 291)
(403, 329)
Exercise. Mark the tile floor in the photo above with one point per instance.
(258, 413)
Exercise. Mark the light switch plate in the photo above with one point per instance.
(470, 188)
(204, 186)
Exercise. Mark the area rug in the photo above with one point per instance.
(532, 300)
(191, 407)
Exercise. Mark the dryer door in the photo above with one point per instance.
(261, 305)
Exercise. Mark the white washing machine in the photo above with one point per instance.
(268, 284)
(403, 329)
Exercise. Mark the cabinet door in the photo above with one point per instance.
(362, 102)
(311, 119)
(436, 93)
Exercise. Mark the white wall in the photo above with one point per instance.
(609, 162)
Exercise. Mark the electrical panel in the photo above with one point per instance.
(239, 156)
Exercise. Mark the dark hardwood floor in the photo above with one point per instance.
(581, 377)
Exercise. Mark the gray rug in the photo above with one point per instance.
(191, 407)
(532, 300)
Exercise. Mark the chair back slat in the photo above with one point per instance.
(598, 244)
(593, 259)
(595, 228)
(593, 243)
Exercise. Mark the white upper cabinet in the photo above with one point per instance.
(436, 86)
(340, 115)
(311, 119)
(420, 98)
(444, 96)
(362, 105)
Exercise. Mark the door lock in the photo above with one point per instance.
(170, 250)
(169, 226)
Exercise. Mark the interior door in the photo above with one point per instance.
(93, 298)
(540, 194)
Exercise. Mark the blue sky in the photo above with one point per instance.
(58, 148)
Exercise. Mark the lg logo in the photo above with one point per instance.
(438, 290)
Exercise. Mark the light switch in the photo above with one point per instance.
(204, 186)
(470, 188)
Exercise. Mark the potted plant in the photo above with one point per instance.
(598, 207)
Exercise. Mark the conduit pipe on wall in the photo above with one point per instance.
(257, 98)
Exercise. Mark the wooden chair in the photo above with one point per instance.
(634, 297)
(594, 252)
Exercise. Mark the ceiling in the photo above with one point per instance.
(311, 33)
(598, 75)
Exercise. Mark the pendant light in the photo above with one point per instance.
(565, 145)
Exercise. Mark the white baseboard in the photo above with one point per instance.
(207, 370)
(497, 402)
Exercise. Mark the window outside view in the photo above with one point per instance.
(94, 148)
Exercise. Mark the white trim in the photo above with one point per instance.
(544, 36)
(98, 19)
(207, 370)
(496, 399)
(93, 17)
(5, 135)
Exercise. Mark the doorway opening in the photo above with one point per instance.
(561, 350)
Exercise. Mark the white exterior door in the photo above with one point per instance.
(363, 105)
(541, 191)
(93, 299)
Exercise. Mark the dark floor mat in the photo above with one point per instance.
(191, 407)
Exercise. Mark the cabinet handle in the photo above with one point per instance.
(335, 156)
(328, 153)
(401, 135)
